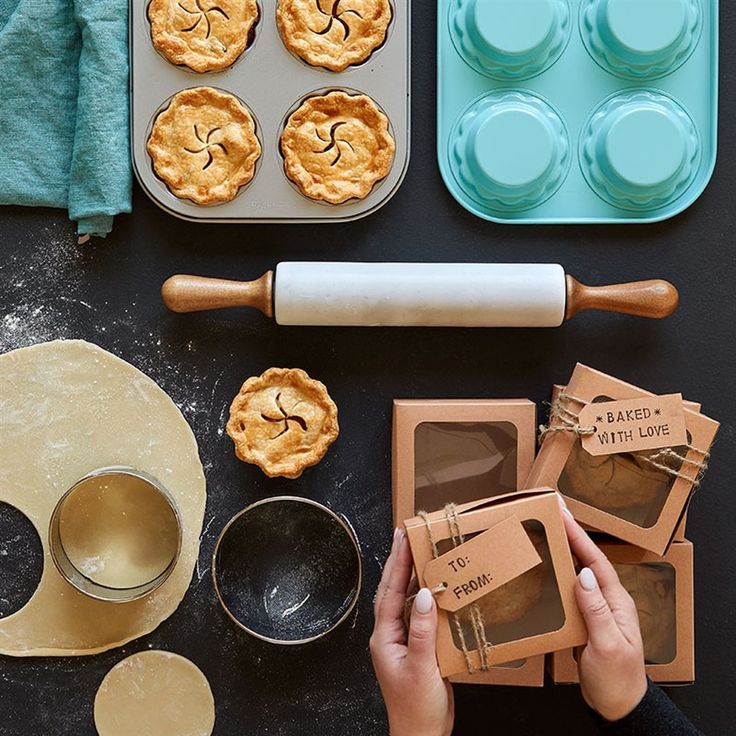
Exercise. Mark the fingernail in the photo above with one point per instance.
(397, 531)
(423, 601)
(587, 579)
(563, 505)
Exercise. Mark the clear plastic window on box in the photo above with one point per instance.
(526, 606)
(652, 586)
(460, 462)
(625, 485)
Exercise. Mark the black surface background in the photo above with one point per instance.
(108, 293)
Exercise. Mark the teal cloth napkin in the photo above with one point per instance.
(64, 108)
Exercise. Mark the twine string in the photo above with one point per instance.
(563, 419)
(476, 615)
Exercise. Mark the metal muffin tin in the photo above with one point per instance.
(272, 82)
(577, 111)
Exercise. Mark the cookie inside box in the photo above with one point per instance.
(526, 606)
(463, 461)
(652, 586)
(626, 485)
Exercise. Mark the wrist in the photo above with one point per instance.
(426, 729)
(617, 711)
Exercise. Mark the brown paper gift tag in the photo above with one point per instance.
(477, 567)
(633, 425)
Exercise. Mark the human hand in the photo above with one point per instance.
(613, 679)
(418, 701)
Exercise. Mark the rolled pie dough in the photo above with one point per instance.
(154, 693)
(66, 408)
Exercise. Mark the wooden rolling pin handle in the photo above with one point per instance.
(654, 299)
(197, 294)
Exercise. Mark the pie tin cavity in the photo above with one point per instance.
(510, 150)
(641, 39)
(510, 39)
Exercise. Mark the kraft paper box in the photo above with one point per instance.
(503, 578)
(681, 531)
(639, 497)
(460, 451)
(662, 588)
(527, 672)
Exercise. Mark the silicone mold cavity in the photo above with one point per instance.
(510, 39)
(641, 39)
(640, 150)
(511, 150)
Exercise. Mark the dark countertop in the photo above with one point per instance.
(108, 293)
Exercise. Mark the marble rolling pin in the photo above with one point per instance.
(419, 295)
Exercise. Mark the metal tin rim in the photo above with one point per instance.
(156, 582)
(359, 579)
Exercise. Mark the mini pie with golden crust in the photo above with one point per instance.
(204, 145)
(514, 599)
(652, 588)
(283, 421)
(613, 482)
(333, 34)
(337, 146)
(204, 35)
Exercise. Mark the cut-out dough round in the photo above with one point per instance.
(66, 408)
(154, 693)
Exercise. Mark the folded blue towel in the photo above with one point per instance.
(64, 108)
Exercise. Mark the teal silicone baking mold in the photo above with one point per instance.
(577, 111)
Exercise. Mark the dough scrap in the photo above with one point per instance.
(154, 693)
(66, 408)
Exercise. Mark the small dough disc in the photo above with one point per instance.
(67, 408)
(155, 693)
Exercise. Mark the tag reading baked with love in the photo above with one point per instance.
(630, 425)
(481, 565)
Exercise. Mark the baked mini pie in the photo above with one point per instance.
(652, 588)
(612, 481)
(204, 35)
(333, 34)
(514, 599)
(204, 145)
(282, 421)
(337, 146)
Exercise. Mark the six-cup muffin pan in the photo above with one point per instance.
(575, 111)
(272, 83)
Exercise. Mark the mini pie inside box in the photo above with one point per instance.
(637, 497)
(460, 450)
(503, 578)
(662, 588)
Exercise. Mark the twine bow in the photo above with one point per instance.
(476, 615)
(564, 419)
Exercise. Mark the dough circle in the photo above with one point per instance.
(154, 693)
(66, 408)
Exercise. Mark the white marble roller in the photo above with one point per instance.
(420, 294)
